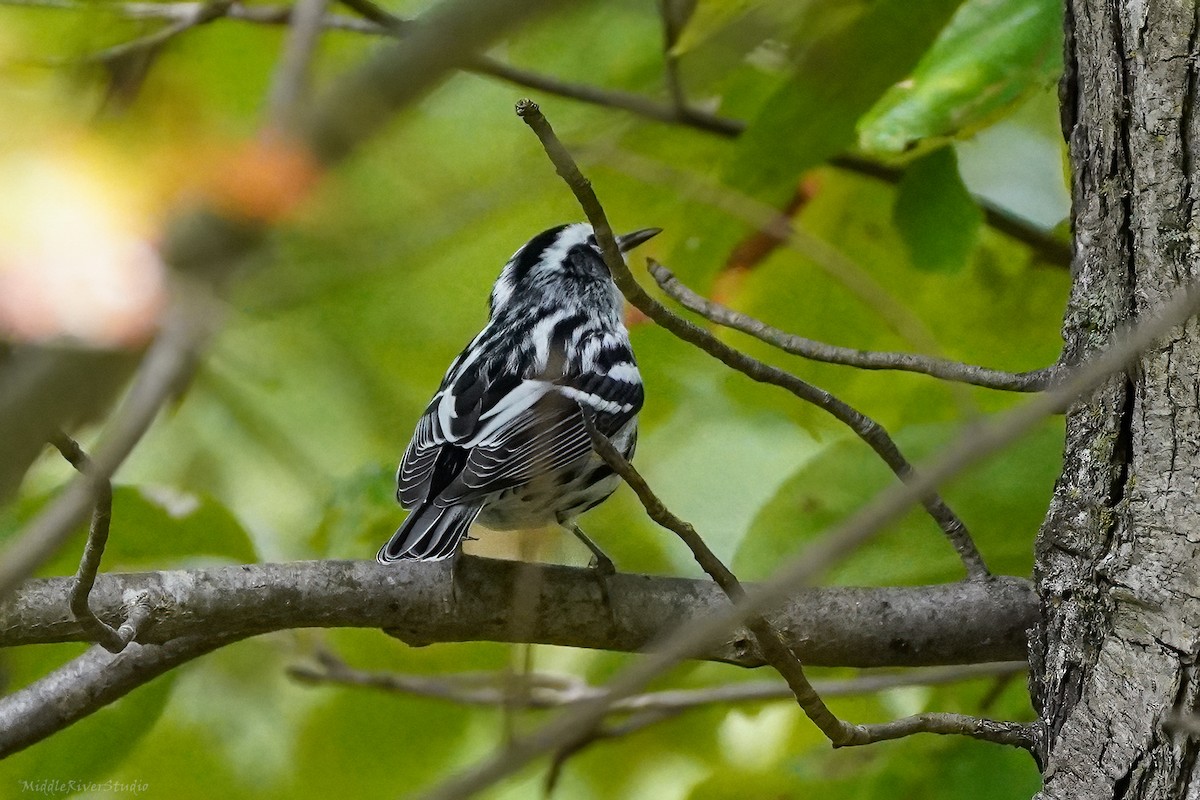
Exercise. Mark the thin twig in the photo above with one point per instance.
(983, 441)
(555, 691)
(839, 732)
(1013, 734)
(195, 15)
(777, 654)
(1031, 381)
(866, 428)
(767, 220)
(114, 640)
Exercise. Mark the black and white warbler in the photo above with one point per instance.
(503, 441)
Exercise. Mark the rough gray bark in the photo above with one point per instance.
(1118, 557)
(966, 622)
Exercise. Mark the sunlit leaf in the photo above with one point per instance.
(992, 53)
(812, 114)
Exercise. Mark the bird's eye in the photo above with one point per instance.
(592, 240)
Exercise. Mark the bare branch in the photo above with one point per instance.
(199, 611)
(555, 691)
(866, 428)
(1032, 381)
(982, 441)
(1013, 734)
(843, 626)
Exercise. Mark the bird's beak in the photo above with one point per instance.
(629, 241)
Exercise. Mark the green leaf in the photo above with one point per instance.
(812, 115)
(1002, 311)
(935, 214)
(990, 56)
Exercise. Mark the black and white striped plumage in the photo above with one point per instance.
(503, 441)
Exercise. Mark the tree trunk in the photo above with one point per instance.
(1118, 558)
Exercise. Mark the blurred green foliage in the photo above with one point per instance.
(284, 445)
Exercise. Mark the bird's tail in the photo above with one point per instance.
(430, 533)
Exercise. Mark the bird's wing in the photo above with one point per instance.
(488, 429)
(538, 428)
(436, 452)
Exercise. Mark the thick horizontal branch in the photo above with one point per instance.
(955, 623)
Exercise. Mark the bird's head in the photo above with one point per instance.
(558, 260)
